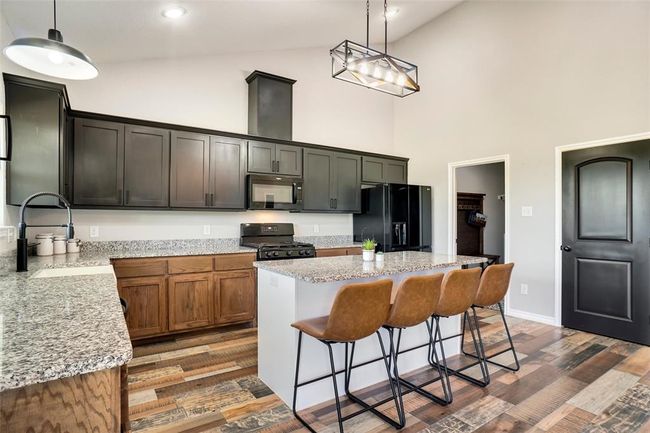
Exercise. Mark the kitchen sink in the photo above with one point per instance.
(70, 272)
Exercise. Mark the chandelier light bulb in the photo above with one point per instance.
(377, 73)
(389, 76)
(401, 79)
(364, 68)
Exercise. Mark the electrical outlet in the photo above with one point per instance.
(94, 231)
(316, 228)
(524, 288)
(527, 211)
(11, 234)
(206, 229)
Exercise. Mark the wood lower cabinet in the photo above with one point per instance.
(177, 294)
(147, 300)
(190, 301)
(234, 296)
(335, 252)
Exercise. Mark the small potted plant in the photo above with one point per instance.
(368, 249)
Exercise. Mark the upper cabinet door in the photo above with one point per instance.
(261, 157)
(98, 163)
(347, 182)
(190, 170)
(146, 167)
(380, 170)
(317, 187)
(288, 160)
(227, 173)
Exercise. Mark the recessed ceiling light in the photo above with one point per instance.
(391, 12)
(174, 12)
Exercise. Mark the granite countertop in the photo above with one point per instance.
(328, 269)
(51, 328)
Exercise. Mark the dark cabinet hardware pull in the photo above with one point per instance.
(212, 199)
(128, 196)
(565, 248)
(119, 195)
(206, 199)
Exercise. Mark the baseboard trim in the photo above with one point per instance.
(547, 320)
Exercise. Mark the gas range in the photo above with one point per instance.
(274, 241)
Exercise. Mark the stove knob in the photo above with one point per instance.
(289, 253)
(301, 252)
(275, 254)
(268, 254)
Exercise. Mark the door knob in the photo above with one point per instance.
(565, 248)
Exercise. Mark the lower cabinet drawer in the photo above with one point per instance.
(356, 251)
(190, 265)
(229, 262)
(331, 252)
(127, 268)
(190, 301)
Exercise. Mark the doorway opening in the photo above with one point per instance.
(478, 209)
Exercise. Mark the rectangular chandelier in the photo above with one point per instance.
(361, 65)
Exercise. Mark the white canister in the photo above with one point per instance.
(45, 244)
(73, 245)
(60, 244)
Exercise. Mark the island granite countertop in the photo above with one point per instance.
(328, 269)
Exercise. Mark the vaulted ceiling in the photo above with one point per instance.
(117, 31)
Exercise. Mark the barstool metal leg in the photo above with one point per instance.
(336, 388)
(511, 347)
(295, 387)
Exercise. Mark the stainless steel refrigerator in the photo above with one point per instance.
(397, 217)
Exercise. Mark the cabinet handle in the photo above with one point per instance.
(128, 197)
(212, 199)
(206, 199)
(277, 166)
(331, 203)
(119, 195)
(336, 203)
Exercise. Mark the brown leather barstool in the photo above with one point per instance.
(457, 295)
(415, 302)
(359, 310)
(491, 291)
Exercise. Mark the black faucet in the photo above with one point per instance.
(21, 252)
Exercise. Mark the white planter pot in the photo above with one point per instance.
(368, 256)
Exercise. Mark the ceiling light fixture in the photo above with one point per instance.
(174, 12)
(359, 64)
(51, 56)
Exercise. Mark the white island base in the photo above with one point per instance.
(284, 299)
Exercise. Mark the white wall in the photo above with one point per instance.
(210, 92)
(520, 78)
(487, 179)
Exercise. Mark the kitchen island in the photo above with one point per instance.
(292, 290)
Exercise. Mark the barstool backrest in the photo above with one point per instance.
(359, 310)
(458, 291)
(416, 300)
(494, 284)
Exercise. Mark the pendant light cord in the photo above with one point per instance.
(54, 14)
(385, 26)
(367, 23)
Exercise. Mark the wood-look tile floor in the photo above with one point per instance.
(569, 381)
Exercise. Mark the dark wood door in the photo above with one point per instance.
(147, 305)
(189, 170)
(261, 157)
(146, 166)
(318, 179)
(98, 163)
(190, 301)
(288, 160)
(347, 182)
(234, 293)
(227, 173)
(605, 241)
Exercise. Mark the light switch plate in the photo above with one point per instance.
(94, 231)
(316, 228)
(524, 288)
(527, 211)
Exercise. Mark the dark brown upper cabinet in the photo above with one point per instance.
(146, 167)
(190, 170)
(332, 181)
(38, 112)
(98, 163)
(227, 173)
(272, 158)
(207, 171)
(382, 170)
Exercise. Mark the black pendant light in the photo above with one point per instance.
(51, 56)
(362, 65)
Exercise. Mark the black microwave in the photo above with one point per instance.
(274, 192)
